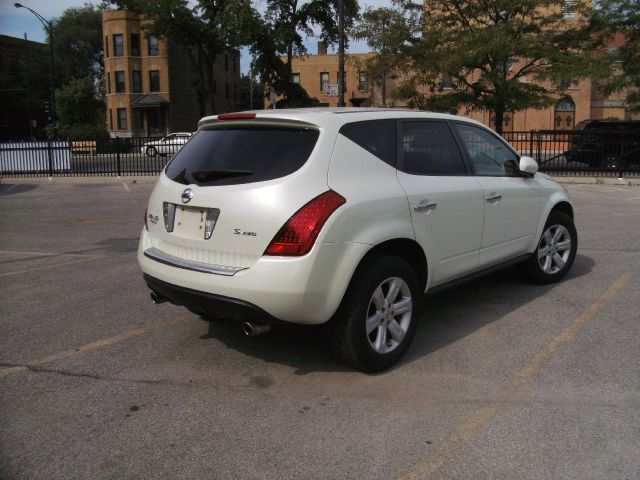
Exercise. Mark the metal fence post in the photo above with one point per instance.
(531, 133)
(50, 155)
(118, 155)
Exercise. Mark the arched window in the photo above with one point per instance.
(564, 114)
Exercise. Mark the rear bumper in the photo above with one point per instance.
(303, 290)
(209, 304)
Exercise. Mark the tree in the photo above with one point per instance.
(206, 29)
(497, 55)
(80, 110)
(281, 34)
(78, 48)
(621, 16)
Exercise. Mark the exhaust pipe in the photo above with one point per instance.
(157, 299)
(252, 329)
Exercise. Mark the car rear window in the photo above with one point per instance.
(241, 154)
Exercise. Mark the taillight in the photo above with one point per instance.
(298, 235)
(237, 116)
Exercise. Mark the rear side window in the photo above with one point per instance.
(430, 149)
(236, 155)
(377, 138)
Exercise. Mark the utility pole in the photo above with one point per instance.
(341, 53)
(49, 28)
(26, 47)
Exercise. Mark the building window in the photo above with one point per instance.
(154, 50)
(118, 47)
(324, 81)
(295, 78)
(136, 83)
(154, 80)
(108, 82)
(447, 82)
(110, 119)
(120, 86)
(135, 44)
(363, 83)
(106, 46)
(569, 9)
(226, 62)
(137, 119)
(564, 114)
(122, 119)
(226, 90)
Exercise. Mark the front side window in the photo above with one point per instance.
(122, 119)
(154, 49)
(429, 148)
(135, 45)
(118, 47)
(154, 80)
(238, 155)
(324, 81)
(120, 85)
(376, 137)
(488, 154)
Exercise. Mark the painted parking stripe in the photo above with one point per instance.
(472, 425)
(6, 371)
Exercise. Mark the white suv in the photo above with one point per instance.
(348, 216)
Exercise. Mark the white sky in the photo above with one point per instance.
(15, 22)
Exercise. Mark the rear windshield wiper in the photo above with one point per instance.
(208, 175)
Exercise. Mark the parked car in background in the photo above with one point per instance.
(346, 216)
(606, 144)
(168, 145)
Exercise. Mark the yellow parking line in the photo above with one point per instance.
(4, 372)
(54, 265)
(472, 425)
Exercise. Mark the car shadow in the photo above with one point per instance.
(446, 318)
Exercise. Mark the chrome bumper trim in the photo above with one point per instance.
(158, 256)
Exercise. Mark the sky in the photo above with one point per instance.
(15, 22)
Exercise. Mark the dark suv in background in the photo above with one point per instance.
(612, 144)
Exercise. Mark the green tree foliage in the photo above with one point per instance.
(77, 37)
(280, 33)
(497, 55)
(621, 16)
(205, 28)
(80, 110)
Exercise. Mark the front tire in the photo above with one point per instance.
(152, 151)
(378, 316)
(556, 251)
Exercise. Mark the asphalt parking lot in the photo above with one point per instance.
(505, 380)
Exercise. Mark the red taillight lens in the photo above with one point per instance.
(298, 235)
(237, 116)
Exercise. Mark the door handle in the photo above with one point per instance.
(494, 197)
(425, 206)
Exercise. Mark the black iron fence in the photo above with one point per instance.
(585, 152)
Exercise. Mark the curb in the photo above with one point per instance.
(97, 180)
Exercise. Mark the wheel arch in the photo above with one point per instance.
(405, 248)
(564, 207)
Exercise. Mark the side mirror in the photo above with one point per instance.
(528, 165)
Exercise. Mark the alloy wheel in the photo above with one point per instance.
(389, 315)
(554, 249)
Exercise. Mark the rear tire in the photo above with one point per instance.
(152, 151)
(555, 253)
(377, 319)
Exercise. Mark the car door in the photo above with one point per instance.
(512, 200)
(445, 199)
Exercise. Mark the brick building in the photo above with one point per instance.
(149, 80)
